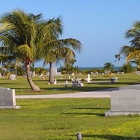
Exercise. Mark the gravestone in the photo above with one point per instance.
(12, 77)
(137, 72)
(1, 75)
(7, 98)
(124, 102)
(114, 79)
(54, 72)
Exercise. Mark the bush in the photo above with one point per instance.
(127, 68)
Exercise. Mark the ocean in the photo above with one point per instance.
(90, 68)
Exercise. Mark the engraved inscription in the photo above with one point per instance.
(127, 98)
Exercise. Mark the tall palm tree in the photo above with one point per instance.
(22, 37)
(134, 57)
(57, 49)
(132, 51)
(118, 58)
(60, 53)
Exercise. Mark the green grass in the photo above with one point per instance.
(22, 87)
(61, 119)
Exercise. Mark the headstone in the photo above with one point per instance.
(79, 136)
(7, 98)
(12, 77)
(124, 102)
(40, 75)
(114, 79)
(54, 72)
(0, 75)
(106, 72)
(55, 81)
(67, 82)
(137, 72)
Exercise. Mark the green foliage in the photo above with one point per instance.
(40, 70)
(108, 66)
(69, 69)
(127, 68)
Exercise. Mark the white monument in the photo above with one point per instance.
(88, 78)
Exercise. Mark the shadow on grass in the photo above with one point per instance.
(87, 114)
(111, 137)
(92, 108)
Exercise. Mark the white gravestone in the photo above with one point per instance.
(88, 78)
(12, 77)
(124, 102)
(0, 75)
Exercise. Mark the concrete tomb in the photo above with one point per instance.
(7, 98)
(124, 102)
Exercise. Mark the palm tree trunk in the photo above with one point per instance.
(51, 79)
(29, 79)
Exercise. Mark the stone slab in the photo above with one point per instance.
(125, 100)
(13, 107)
(117, 113)
(7, 98)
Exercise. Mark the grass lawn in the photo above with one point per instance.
(61, 119)
(22, 87)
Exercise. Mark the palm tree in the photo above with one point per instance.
(61, 53)
(59, 49)
(134, 57)
(108, 66)
(118, 58)
(132, 51)
(22, 37)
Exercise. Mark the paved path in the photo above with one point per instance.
(91, 94)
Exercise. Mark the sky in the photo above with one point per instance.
(100, 25)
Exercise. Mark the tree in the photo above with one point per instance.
(118, 58)
(132, 52)
(23, 37)
(60, 49)
(127, 67)
(108, 66)
(134, 57)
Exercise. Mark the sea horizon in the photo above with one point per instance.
(90, 68)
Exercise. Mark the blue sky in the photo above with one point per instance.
(100, 25)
